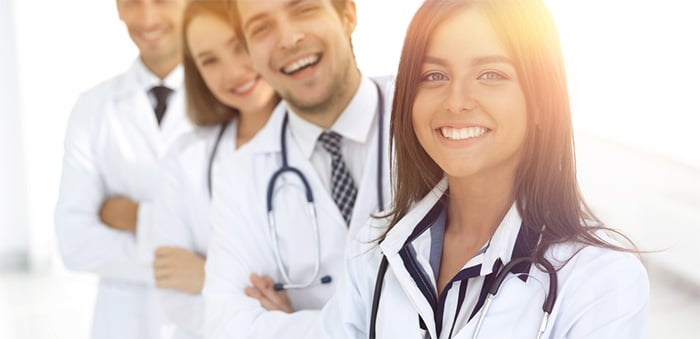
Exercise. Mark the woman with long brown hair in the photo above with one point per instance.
(229, 102)
(486, 199)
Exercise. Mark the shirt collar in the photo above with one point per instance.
(147, 80)
(354, 123)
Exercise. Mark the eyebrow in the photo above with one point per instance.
(261, 16)
(489, 59)
(207, 52)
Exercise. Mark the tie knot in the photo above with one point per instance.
(161, 93)
(330, 141)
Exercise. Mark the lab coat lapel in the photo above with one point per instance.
(174, 124)
(394, 242)
(323, 199)
(136, 108)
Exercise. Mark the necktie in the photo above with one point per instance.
(161, 93)
(343, 189)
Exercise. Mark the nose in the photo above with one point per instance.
(290, 35)
(150, 16)
(460, 97)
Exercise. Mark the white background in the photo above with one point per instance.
(633, 66)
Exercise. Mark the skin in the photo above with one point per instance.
(229, 74)
(470, 85)
(155, 27)
(280, 33)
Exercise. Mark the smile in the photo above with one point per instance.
(246, 86)
(301, 64)
(151, 36)
(463, 133)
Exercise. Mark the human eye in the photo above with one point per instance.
(258, 29)
(209, 61)
(492, 76)
(433, 76)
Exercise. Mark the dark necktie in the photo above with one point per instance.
(161, 93)
(343, 188)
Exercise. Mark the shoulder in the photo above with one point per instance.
(190, 146)
(601, 271)
(90, 102)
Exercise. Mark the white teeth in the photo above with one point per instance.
(463, 133)
(245, 87)
(301, 63)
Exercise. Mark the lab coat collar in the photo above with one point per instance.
(354, 123)
(141, 78)
(267, 140)
(510, 240)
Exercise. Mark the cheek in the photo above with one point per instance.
(212, 78)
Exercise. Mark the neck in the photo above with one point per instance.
(162, 68)
(477, 205)
(324, 115)
(250, 122)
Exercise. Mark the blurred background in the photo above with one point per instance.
(634, 75)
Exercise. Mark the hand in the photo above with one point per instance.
(179, 269)
(120, 213)
(269, 299)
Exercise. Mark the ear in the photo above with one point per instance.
(349, 17)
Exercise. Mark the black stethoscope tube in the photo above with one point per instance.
(547, 306)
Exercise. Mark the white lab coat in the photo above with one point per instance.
(181, 213)
(241, 242)
(602, 294)
(113, 146)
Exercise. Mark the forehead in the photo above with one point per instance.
(248, 9)
(467, 33)
(209, 27)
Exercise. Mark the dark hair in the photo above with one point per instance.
(202, 106)
(546, 190)
(236, 15)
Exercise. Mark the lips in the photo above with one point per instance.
(151, 37)
(246, 86)
(300, 64)
(463, 133)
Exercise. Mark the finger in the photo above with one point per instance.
(164, 250)
(160, 263)
(259, 282)
(162, 272)
(253, 293)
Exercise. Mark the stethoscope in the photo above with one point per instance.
(547, 306)
(286, 169)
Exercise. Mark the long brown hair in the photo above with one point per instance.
(546, 190)
(202, 106)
